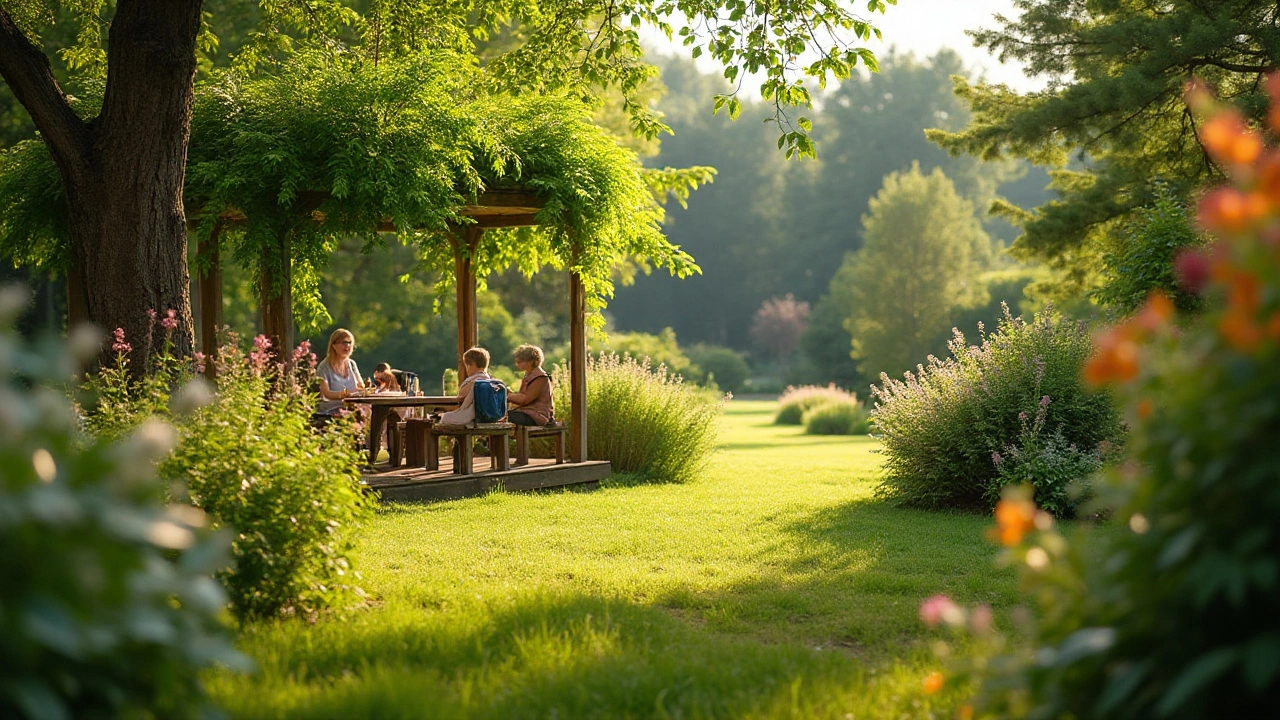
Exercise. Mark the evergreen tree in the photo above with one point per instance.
(1116, 73)
(922, 251)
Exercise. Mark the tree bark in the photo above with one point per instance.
(123, 171)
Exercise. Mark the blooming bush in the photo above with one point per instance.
(942, 425)
(107, 604)
(797, 401)
(837, 417)
(1174, 613)
(250, 459)
(1058, 471)
(643, 420)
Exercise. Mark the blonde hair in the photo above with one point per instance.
(330, 355)
(476, 357)
(529, 353)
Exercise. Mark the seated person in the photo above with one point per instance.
(385, 378)
(338, 375)
(476, 363)
(532, 405)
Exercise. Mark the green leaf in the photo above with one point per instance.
(1198, 674)
(805, 124)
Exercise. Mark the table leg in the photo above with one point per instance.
(377, 421)
(395, 446)
(500, 451)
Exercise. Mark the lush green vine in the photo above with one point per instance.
(332, 145)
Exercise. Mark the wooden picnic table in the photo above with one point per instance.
(382, 405)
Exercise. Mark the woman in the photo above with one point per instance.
(532, 405)
(338, 374)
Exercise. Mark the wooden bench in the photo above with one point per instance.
(524, 433)
(496, 432)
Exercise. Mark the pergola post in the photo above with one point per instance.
(210, 291)
(276, 300)
(465, 278)
(577, 369)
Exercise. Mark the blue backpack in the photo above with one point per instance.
(490, 399)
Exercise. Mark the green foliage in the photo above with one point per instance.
(652, 350)
(1135, 130)
(922, 248)
(837, 417)
(722, 367)
(941, 427)
(250, 459)
(797, 401)
(1141, 260)
(107, 607)
(1058, 471)
(290, 492)
(643, 420)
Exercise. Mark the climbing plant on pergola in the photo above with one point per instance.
(283, 165)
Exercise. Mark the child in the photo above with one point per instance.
(476, 363)
(532, 405)
(384, 377)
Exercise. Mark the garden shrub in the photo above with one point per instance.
(837, 417)
(721, 366)
(796, 401)
(250, 459)
(1143, 259)
(291, 493)
(1057, 470)
(1172, 613)
(643, 420)
(108, 607)
(941, 426)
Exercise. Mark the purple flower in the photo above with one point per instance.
(1044, 401)
(1022, 416)
(199, 359)
(170, 320)
(995, 458)
(151, 315)
(120, 346)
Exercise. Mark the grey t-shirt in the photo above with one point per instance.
(337, 383)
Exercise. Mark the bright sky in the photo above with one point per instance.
(923, 27)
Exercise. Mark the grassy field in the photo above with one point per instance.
(773, 586)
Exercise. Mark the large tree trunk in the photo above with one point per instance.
(123, 171)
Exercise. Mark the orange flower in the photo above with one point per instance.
(1245, 293)
(1225, 210)
(1156, 312)
(1228, 138)
(1273, 326)
(1115, 358)
(1239, 330)
(1269, 175)
(1015, 517)
(933, 682)
(965, 712)
(1144, 408)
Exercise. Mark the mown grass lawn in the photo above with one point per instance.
(773, 586)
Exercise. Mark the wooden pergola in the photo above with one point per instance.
(491, 209)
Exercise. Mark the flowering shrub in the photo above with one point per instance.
(643, 420)
(1056, 469)
(107, 604)
(942, 425)
(796, 401)
(837, 417)
(251, 460)
(1174, 613)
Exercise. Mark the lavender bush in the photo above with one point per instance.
(942, 426)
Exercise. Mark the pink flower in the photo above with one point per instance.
(261, 354)
(1044, 401)
(199, 359)
(120, 346)
(300, 352)
(981, 620)
(995, 458)
(1022, 416)
(151, 315)
(1192, 269)
(940, 609)
(170, 320)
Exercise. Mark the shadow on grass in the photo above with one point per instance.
(547, 656)
(788, 442)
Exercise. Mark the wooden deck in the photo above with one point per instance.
(406, 484)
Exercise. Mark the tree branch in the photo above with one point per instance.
(26, 70)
